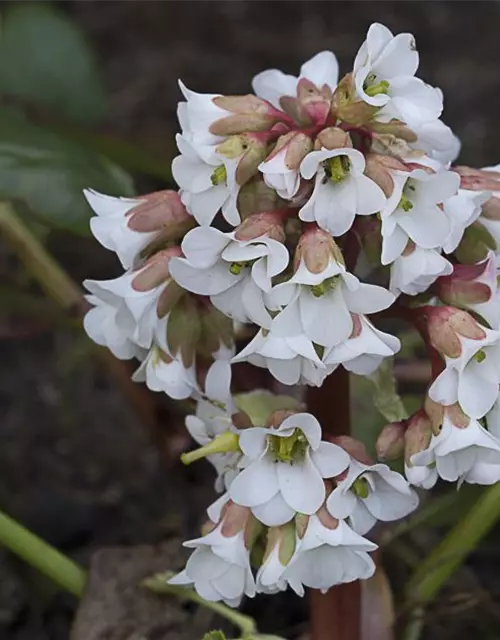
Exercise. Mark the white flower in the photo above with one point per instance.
(220, 568)
(416, 269)
(341, 189)
(282, 546)
(234, 273)
(329, 555)
(110, 324)
(462, 210)
(413, 211)
(438, 141)
(471, 379)
(384, 71)
(197, 114)
(319, 305)
(371, 493)
(365, 349)
(291, 360)
(128, 225)
(421, 476)
(214, 409)
(281, 168)
(464, 453)
(207, 182)
(272, 84)
(285, 471)
(161, 372)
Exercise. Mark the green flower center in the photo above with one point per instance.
(373, 88)
(480, 356)
(219, 175)
(405, 203)
(289, 449)
(236, 267)
(361, 487)
(337, 168)
(320, 289)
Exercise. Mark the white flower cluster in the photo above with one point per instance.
(295, 506)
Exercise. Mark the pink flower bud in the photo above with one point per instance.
(418, 434)
(478, 179)
(355, 448)
(316, 248)
(160, 211)
(447, 324)
(391, 441)
(249, 149)
(269, 223)
(379, 167)
(295, 145)
(257, 197)
(333, 138)
(435, 412)
(464, 287)
(156, 270)
(314, 101)
(250, 113)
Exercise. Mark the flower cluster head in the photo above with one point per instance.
(308, 210)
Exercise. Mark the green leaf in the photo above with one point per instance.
(259, 404)
(47, 173)
(45, 59)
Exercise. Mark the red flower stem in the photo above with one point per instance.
(335, 615)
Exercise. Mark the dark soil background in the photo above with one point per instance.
(76, 463)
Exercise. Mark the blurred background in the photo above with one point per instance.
(88, 94)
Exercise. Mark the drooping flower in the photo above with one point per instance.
(286, 467)
(282, 545)
(163, 372)
(128, 225)
(330, 553)
(416, 269)
(281, 168)
(369, 493)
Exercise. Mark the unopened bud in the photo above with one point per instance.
(295, 145)
(379, 167)
(241, 420)
(418, 435)
(161, 211)
(355, 448)
(316, 248)
(476, 242)
(390, 443)
(396, 128)
(257, 197)
(447, 324)
(462, 287)
(250, 149)
(226, 442)
(250, 113)
(314, 101)
(333, 138)
(268, 223)
(156, 270)
(478, 179)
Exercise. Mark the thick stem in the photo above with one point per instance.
(37, 553)
(335, 615)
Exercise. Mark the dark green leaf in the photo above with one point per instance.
(45, 59)
(47, 173)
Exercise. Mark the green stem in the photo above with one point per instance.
(158, 584)
(37, 553)
(453, 549)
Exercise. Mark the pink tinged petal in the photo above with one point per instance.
(341, 502)
(444, 389)
(253, 441)
(275, 512)
(301, 485)
(256, 484)
(329, 459)
(202, 246)
(361, 520)
(476, 393)
(321, 69)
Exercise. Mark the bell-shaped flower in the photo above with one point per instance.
(462, 451)
(416, 269)
(438, 141)
(148, 293)
(365, 348)
(473, 287)
(417, 437)
(320, 71)
(128, 225)
(219, 568)
(110, 324)
(330, 553)
(320, 297)
(281, 547)
(341, 189)
(286, 467)
(233, 272)
(462, 210)
(471, 353)
(369, 493)
(384, 70)
(414, 211)
(164, 373)
(281, 168)
(289, 359)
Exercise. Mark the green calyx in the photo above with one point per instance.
(219, 175)
(361, 487)
(480, 356)
(288, 449)
(337, 168)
